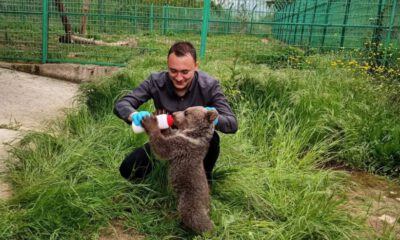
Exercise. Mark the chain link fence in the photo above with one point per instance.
(111, 32)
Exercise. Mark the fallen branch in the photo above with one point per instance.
(81, 40)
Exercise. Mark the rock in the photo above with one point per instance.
(65, 71)
(387, 218)
(75, 72)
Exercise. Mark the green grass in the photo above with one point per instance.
(269, 183)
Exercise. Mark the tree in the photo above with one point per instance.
(65, 22)
(279, 4)
(85, 10)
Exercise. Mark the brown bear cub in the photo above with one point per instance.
(185, 148)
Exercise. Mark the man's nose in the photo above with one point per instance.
(179, 76)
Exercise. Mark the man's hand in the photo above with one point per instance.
(210, 109)
(137, 117)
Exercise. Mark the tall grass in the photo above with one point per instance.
(331, 103)
(268, 184)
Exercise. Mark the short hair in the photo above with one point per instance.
(182, 49)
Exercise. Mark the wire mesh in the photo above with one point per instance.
(333, 24)
(111, 32)
(20, 30)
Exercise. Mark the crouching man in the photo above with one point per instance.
(182, 86)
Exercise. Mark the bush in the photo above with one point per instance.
(381, 62)
(280, 56)
(333, 103)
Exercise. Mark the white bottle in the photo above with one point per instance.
(164, 122)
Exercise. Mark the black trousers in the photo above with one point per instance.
(137, 164)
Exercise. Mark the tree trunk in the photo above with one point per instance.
(65, 22)
(85, 10)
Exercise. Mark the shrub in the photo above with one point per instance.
(381, 62)
(280, 56)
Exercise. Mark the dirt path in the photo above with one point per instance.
(27, 101)
(377, 200)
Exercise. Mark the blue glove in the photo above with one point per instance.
(210, 109)
(137, 117)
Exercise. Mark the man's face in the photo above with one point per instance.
(181, 71)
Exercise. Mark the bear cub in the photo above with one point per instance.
(185, 148)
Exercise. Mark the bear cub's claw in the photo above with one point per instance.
(150, 123)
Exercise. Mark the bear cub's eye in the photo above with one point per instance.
(185, 113)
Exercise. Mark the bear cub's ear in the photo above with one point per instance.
(211, 115)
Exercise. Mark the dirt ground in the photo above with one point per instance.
(377, 200)
(27, 102)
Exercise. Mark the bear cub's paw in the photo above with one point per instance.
(150, 124)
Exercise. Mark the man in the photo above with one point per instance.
(182, 86)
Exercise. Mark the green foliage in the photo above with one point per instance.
(281, 4)
(356, 113)
(381, 62)
(280, 56)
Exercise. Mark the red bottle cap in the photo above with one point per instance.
(170, 120)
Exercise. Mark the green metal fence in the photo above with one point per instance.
(336, 24)
(111, 32)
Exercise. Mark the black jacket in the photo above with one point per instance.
(203, 91)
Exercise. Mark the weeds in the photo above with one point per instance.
(280, 56)
(379, 61)
(12, 125)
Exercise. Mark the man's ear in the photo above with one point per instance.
(211, 115)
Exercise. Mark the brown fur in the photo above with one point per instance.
(185, 148)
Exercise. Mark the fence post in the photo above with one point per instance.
(151, 18)
(283, 25)
(186, 18)
(275, 27)
(204, 28)
(278, 26)
(392, 17)
(345, 19)
(135, 25)
(391, 23)
(328, 9)
(304, 21)
(228, 20)
(286, 26)
(297, 21)
(287, 33)
(252, 17)
(312, 24)
(274, 20)
(45, 29)
(165, 19)
(377, 33)
(292, 21)
(280, 29)
(100, 8)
